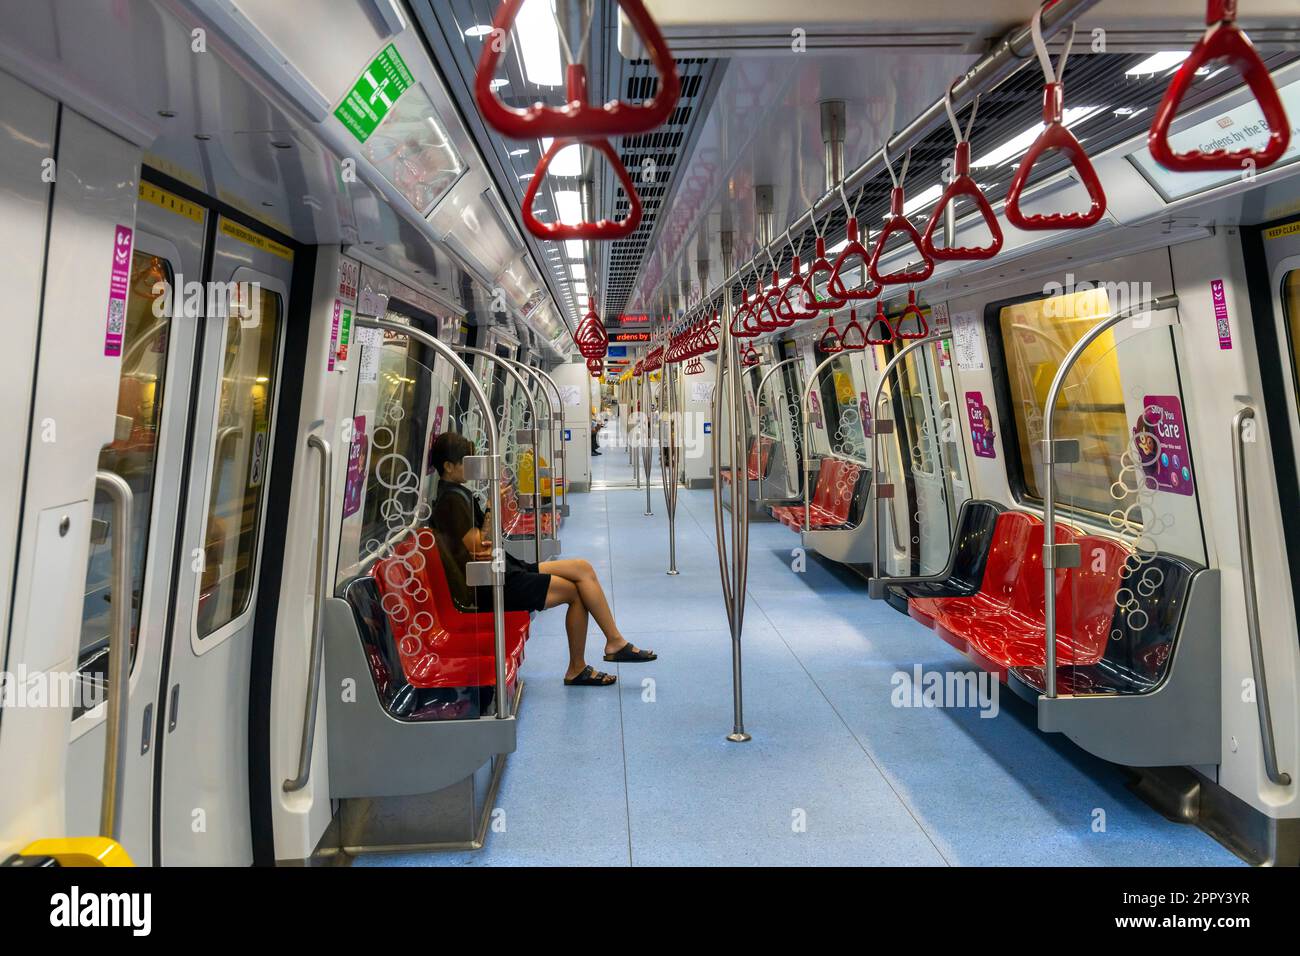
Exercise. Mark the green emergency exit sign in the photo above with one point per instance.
(374, 93)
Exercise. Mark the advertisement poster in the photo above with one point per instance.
(981, 426)
(358, 450)
(864, 405)
(119, 280)
(1160, 439)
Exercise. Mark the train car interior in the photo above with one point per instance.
(650, 433)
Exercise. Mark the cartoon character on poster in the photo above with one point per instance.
(358, 452)
(1160, 440)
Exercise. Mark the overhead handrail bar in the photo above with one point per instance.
(311, 699)
(494, 480)
(1158, 304)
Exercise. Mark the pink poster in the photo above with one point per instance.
(1161, 442)
(118, 285)
(334, 336)
(1221, 323)
(358, 451)
(981, 426)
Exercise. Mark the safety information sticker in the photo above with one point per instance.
(119, 282)
(374, 93)
(334, 336)
(1221, 314)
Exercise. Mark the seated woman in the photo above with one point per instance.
(460, 524)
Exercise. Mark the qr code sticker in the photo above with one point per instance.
(116, 316)
(1222, 323)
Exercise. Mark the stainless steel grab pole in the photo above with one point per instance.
(1158, 304)
(668, 457)
(1268, 743)
(646, 432)
(494, 466)
(323, 537)
(118, 698)
(508, 367)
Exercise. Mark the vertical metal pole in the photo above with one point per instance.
(646, 431)
(735, 566)
(668, 455)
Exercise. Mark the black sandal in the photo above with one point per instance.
(590, 677)
(626, 655)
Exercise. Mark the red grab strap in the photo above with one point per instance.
(830, 340)
(1224, 40)
(854, 249)
(596, 367)
(577, 119)
(962, 185)
(600, 230)
(912, 310)
(897, 222)
(821, 267)
(879, 321)
(1055, 137)
(852, 339)
(795, 303)
(590, 336)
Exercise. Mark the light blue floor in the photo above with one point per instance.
(642, 774)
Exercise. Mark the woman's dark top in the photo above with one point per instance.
(456, 510)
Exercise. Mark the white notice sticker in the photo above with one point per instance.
(966, 345)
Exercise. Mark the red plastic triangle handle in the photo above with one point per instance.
(772, 300)
(830, 341)
(795, 304)
(897, 222)
(854, 249)
(879, 321)
(1057, 137)
(590, 336)
(577, 119)
(603, 229)
(820, 266)
(852, 339)
(962, 185)
(761, 317)
(1224, 40)
(911, 310)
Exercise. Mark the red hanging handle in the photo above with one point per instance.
(600, 230)
(830, 341)
(854, 249)
(820, 266)
(1224, 40)
(795, 304)
(590, 336)
(750, 357)
(879, 321)
(1055, 137)
(772, 300)
(912, 310)
(596, 367)
(577, 119)
(740, 327)
(897, 222)
(962, 185)
(852, 339)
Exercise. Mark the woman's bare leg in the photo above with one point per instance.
(563, 591)
(581, 574)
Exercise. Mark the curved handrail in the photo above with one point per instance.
(323, 537)
(545, 379)
(494, 466)
(873, 499)
(507, 365)
(1158, 304)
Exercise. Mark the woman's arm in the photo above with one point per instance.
(477, 544)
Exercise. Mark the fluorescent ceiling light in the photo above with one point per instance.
(838, 247)
(567, 162)
(527, 176)
(520, 152)
(574, 248)
(498, 83)
(478, 30)
(539, 43)
(578, 271)
(922, 199)
(1018, 144)
(579, 288)
(569, 203)
(1157, 63)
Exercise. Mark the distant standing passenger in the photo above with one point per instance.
(460, 524)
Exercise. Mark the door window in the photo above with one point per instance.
(240, 461)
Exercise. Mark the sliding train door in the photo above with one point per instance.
(147, 453)
(204, 794)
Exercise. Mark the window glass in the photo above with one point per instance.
(240, 460)
(1036, 337)
(1291, 309)
(132, 454)
(396, 457)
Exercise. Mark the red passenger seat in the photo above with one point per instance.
(438, 644)
(837, 484)
(517, 523)
(760, 454)
(1003, 625)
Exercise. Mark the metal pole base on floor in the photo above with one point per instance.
(739, 737)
